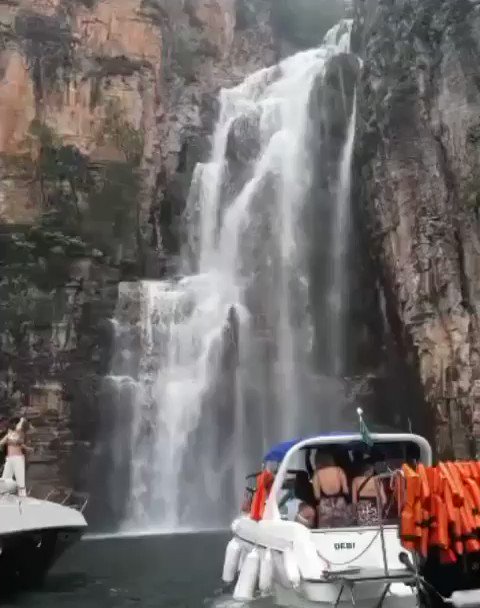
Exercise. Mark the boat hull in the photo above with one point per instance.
(333, 567)
(33, 535)
(27, 556)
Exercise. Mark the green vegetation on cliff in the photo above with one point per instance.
(93, 203)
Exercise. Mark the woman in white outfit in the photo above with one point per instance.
(14, 441)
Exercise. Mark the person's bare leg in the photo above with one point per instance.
(19, 468)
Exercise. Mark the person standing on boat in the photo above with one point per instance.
(14, 441)
(368, 495)
(330, 487)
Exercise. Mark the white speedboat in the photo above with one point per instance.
(363, 566)
(33, 535)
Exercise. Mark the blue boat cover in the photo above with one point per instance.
(278, 452)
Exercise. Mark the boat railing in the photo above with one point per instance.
(381, 520)
(63, 496)
(397, 477)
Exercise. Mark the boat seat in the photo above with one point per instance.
(303, 489)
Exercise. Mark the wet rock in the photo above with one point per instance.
(417, 161)
(243, 145)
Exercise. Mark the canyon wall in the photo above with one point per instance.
(105, 108)
(417, 167)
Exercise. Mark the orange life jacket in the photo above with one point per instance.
(441, 509)
(448, 557)
(425, 492)
(433, 477)
(448, 472)
(473, 492)
(425, 530)
(264, 485)
(439, 535)
(412, 485)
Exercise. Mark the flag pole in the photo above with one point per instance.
(364, 432)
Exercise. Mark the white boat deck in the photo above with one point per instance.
(30, 514)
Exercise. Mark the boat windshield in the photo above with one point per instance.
(347, 484)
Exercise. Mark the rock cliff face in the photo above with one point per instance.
(105, 107)
(418, 161)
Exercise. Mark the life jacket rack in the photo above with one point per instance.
(410, 575)
(439, 508)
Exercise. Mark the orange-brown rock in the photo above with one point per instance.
(100, 102)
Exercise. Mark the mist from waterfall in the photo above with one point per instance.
(213, 367)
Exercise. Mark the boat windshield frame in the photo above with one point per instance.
(272, 511)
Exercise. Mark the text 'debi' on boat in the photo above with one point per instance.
(395, 532)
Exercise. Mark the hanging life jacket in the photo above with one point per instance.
(412, 485)
(264, 485)
(439, 536)
(441, 509)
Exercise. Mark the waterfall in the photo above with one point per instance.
(220, 360)
(341, 225)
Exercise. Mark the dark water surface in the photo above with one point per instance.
(153, 571)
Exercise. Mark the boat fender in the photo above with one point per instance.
(291, 568)
(279, 569)
(247, 580)
(235, 525)
(266, 573)
(232, 559)
(242, 556)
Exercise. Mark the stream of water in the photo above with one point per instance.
(212, 367)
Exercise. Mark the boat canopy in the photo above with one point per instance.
(278, 452)
(354, 441)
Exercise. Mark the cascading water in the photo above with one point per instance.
(220, 363)
(341, 227)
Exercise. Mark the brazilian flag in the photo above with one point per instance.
(364, 432)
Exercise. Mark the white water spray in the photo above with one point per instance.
(224, 353)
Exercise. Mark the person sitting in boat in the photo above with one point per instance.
(14, 441)
(330, 488)
(298, 503)
(306, 513)
(368, 495)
